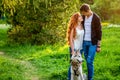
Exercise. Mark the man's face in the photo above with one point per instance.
(85, 13)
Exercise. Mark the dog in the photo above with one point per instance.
(76, 67)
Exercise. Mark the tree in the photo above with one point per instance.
(39, 21)
(108, 10)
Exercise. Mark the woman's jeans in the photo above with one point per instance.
(89, 54)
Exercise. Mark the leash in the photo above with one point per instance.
(75, 71)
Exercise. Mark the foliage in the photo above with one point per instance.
(38, 21)
(107, 12)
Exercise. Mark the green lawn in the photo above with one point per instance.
(47, 62)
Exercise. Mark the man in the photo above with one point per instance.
(92, 37)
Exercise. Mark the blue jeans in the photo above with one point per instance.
(69, 70)
(89, 54)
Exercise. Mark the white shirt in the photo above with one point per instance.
(87, 25)
(78, 39)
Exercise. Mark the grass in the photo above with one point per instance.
(51, 62)
(107, 63)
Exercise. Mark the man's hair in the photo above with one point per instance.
(84, 7)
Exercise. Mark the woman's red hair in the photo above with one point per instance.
(72, 25)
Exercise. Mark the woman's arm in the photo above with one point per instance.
(71, 42)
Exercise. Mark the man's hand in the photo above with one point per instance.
(98, 49)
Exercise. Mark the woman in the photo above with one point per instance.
(75, 34)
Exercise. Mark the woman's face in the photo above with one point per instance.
(80, 18)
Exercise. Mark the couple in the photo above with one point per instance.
(84, 33)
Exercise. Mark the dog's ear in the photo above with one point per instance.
(72, 56)
(77, 50)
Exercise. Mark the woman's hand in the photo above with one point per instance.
(72, 52)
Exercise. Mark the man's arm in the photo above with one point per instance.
(99, 30)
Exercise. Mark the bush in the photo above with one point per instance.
(39, 22)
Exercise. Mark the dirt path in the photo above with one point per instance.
(1, 53)
(4, 26)
(30, 71)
